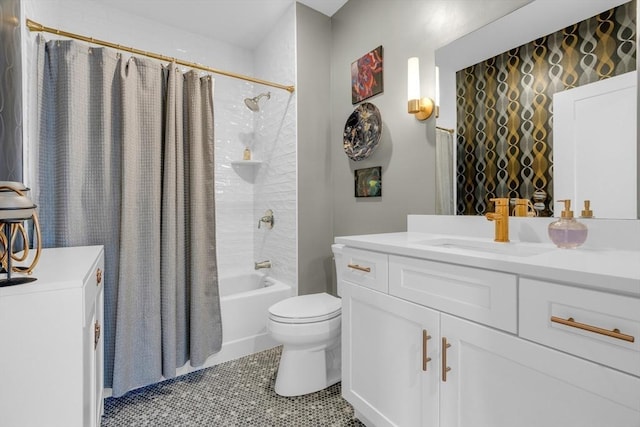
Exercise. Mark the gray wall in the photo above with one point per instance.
(406, 151)
(315, 225)
(326, 48)
(10, 92)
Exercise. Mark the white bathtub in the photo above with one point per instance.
(244, 301)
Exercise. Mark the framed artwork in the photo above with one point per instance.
(368, 182)
(366, 76)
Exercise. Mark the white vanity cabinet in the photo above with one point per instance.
(390, 352)
(482, 371)
(51, 346)
(500, 380)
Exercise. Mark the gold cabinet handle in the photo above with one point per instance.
(96, 335)
(425, 359)
(445, 368)
(98, 277)
(359, 267)
(613, 334)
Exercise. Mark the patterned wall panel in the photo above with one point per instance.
(10, 92)
(505, 107)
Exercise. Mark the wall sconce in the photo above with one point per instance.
(422, 108)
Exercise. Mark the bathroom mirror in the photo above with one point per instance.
(525, 26)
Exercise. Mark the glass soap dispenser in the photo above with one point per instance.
(566, 232)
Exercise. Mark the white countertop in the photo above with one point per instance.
(57, 268)
(611, 270)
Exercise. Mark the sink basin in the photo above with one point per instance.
(487, 246)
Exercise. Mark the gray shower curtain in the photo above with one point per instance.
(126, 160)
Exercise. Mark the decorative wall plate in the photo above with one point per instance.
(362, 131)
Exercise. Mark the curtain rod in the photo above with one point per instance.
(445, 129)
(34, 26)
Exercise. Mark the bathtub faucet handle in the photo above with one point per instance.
(267, 219)
(262, 264)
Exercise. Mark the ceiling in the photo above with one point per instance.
(242, 23)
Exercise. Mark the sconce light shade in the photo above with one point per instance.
(422, 108)
(413, 78)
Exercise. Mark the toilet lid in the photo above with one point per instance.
(306, 309)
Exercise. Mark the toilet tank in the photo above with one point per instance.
(337, 257)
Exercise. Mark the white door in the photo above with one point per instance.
(500, 380)
(595, 147)
(385, 372)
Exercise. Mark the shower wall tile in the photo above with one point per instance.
(275, 134)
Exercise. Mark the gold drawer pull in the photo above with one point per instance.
(445, 368)
(358, 267)
(613, 334)
(96, 335)
(425, 359)
(98, 277)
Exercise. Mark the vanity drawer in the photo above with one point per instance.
(594, 325)
(483, 296)
(365, 268)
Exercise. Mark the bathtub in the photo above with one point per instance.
(244, 303)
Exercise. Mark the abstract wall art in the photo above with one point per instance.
(368, 182)
(366, 76)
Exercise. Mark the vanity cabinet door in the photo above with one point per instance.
(50, 365)
(386, 375)
(93, 378)
(500, 380)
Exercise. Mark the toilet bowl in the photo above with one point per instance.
(308, 327)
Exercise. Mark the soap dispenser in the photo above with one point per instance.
(566, 232)
(587, 212)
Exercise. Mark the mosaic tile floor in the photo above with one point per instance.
(235, 393)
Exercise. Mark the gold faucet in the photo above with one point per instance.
(523, 207)
(501, 218)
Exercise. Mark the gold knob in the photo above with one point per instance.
(360, 268)
(445, 368)
(425, 359)
(96, 335)
(98, 277)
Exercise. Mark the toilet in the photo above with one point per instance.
(308, 327)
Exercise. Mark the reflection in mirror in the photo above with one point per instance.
(497, 93)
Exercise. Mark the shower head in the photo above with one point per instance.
(252, 103)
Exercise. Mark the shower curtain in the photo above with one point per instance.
(444, 172)
(125, 160)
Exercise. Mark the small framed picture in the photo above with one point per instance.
(368, 182)
(366, 76)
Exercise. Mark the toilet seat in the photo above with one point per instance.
(306, 309)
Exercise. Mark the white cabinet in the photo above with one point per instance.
(500, 380)
(488, 297)
(366, 268)
(478, 375)
(591, 324)
(386, 346)
(51, 347)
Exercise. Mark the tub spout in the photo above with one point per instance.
(262, 264)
